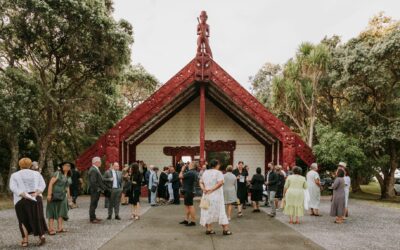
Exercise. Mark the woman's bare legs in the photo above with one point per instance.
(229, 211)
(51, 226)
(60, 224)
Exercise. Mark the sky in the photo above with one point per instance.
(245, 34)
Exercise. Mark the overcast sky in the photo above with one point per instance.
(244, 33)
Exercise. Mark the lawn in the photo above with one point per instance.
(372, 194)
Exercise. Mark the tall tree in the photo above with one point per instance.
(370, 83)
(69, 48)
(295, 91)
(261, 83)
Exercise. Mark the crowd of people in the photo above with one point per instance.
(221, 191)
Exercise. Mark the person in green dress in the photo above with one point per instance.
(294, 195)
(57, 198)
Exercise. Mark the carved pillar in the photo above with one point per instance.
(112, 147)
(202, 123)
(288, 150)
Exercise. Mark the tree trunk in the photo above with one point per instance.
(388, 176)
(355, 183)
(43, 149)
(13, 166)
(311, 131)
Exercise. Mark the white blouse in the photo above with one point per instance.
(24, 182)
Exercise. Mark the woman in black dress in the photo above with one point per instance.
(134, 197)
(281, 185)
(257, 183)
(241, 176)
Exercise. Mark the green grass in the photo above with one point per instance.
(372, 194)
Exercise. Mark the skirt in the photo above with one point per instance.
(134, 197)
(256, 195)
(30, 215)
(57, 209)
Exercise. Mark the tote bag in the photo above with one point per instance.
(204, 202)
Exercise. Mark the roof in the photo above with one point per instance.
(222, 89)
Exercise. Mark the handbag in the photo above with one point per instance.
(58, 195)
(204, 203)
(153, 188)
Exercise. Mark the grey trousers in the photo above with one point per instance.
(271, 198)
(114, 201)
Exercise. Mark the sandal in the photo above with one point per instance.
(226, 232)
(137, 217)
(208, 232)
(52, 232)
(42, 241)
(240, 214)
(24, 243)
(62, 231)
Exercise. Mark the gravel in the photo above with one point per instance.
(368, 227)
(81, 235)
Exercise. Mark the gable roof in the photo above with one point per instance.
(162, 104)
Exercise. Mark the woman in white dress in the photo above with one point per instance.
(314, 189)
(347, 183)
(211, 183)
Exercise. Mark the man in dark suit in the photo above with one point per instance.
(272, 186)
(175, 185)
(96, 186)
(114, 179)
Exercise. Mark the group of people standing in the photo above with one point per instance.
(220, 193)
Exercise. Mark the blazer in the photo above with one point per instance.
(108, 178)
(153, 180)
(96, 182)
(272, 183)
(175, 180)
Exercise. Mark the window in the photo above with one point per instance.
(186, 158)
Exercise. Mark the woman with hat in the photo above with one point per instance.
(57, 194)
(27, 186)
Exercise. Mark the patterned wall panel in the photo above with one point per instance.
(183, 130)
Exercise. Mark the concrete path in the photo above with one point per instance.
(159, 229)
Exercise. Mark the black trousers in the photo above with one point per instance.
(94, 201)
(176, 196)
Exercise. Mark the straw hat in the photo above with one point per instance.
(343, 164)
(25, 163)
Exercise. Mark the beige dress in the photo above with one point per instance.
(294, 197)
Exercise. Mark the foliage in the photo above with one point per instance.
(261, 83)
(334, 146)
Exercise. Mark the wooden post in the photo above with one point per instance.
(202, 122)
(123, 156)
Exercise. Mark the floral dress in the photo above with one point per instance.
(216, 211)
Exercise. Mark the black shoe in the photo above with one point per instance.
(185, 222)
(117, 217)
(191, 224)
(109, 217)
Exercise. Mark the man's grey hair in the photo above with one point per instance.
(314, 166)
(96, 159)
(151, 167)
(35, 165)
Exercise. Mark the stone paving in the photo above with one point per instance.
(368, 227)
(81, 235)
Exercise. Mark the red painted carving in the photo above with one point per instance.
(202, 68)
(112, 147)
(203, 33)
(217, 146)
(289, 150)
(202, 123)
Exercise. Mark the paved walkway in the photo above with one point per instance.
(159, 229)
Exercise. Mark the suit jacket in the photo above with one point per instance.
(96, 182)
(108, 178)
(153, 180)
(175, 180)
(273, 180)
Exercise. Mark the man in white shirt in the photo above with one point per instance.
(114, 176)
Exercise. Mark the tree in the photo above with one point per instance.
(370, 83)
(69, 48)
(136, 85)
(334, 146)
(295, 92)
(261, 83)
